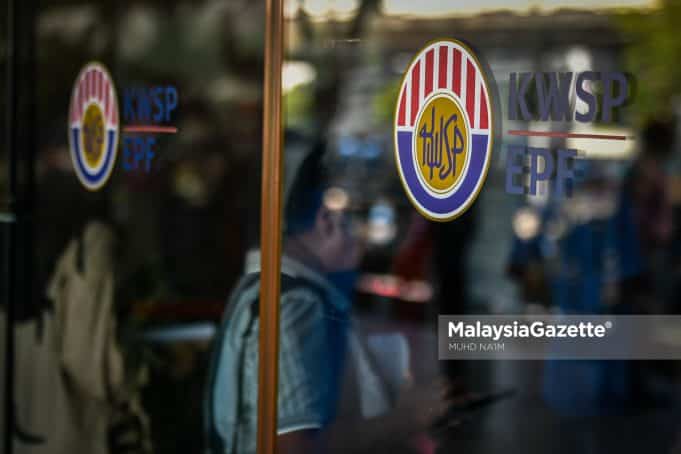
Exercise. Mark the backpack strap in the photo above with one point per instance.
(214, 441)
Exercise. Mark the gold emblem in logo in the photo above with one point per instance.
(93, 135)
(441, 143)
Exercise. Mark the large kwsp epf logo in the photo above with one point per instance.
(443, 130)
(93, 126)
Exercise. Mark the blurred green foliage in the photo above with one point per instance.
(298, 106)
(653, 56)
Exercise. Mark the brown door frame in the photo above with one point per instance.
(270, 229)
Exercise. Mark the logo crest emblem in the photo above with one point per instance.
(93, 126)
(443, 130)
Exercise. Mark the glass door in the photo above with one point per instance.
(145, 143)
(417, 161)
(475, 160)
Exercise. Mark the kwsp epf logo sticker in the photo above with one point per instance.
(443, 130)
(93, 126)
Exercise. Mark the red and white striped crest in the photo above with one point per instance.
(93, 147)
(447, 66)
(443, 170)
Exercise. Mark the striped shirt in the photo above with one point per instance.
(314, 325)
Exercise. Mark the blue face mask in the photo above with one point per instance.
(344, 282)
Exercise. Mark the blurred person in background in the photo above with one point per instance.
(452, 243)
(646, 188)
(588, 247)
(591, 249)
(441, 249)
(322, 360)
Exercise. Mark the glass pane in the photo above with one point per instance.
(402, 114)
(3, 102)
(136, 243)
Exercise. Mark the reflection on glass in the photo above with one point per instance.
(114, 347)
(130, 342)
(595, 251)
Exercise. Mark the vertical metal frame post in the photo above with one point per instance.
(270, 229)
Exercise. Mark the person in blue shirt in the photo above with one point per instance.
(314, 320)
(317, 343)
(588, 247)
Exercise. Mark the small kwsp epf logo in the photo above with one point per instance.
(443, 130)
(93, 126)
